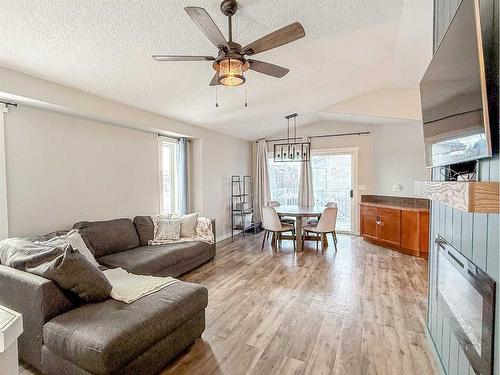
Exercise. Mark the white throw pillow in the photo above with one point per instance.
(169, 230)
(77, 243)
(188, 224)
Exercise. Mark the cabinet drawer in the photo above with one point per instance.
(369, 210)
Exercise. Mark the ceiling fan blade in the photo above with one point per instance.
(267, 68)
(182, 58)
(275, 39)
(207, 25)
(215, 79)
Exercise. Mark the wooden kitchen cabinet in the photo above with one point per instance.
(369, 222)
(405, 229)
(389, 226)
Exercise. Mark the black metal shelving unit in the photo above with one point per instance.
(241, 205)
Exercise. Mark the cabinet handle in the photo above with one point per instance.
(378, 222)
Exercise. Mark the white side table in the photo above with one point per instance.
(11, 327)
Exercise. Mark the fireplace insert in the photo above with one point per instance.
(466, 296)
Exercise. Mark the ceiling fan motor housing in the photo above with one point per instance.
(229, 7)
(235, 52)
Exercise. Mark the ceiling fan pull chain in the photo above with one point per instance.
(246, 95)
(216, 97)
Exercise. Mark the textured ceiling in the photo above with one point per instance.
(104, 48)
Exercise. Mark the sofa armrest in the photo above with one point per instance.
(213, 229)
(38, 300)
(213, 248)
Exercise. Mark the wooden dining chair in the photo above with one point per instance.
(326, 225)
(272, 224)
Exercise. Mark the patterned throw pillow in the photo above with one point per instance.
(169, 230)
(188, 223)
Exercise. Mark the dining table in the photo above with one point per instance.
(299, 213)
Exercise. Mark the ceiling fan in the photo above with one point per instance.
(231, 61)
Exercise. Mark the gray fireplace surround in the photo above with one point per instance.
(64, 335)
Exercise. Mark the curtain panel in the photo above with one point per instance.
(182, 176)
(306, 191)
(4, 223)
(262, 188)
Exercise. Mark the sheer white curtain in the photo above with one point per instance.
(262, 189)
(4, 223)
(306, 191)
(182, 176)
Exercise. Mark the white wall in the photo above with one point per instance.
(214, 156)
(398, 158)
(62, 169)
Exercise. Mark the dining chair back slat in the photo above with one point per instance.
(273, 204)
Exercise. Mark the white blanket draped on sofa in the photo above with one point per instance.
(203, 232)
(128, 287)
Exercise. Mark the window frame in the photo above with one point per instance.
(172, 144)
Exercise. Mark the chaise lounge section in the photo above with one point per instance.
(63, 335)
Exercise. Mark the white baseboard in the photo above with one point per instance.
(227, 235)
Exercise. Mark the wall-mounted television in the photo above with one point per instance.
(454, 95)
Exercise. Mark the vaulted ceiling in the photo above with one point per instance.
(351, 48)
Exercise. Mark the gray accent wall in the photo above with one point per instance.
(475, 235)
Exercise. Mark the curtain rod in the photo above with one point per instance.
(8, 103)
(173, 138)
(316, 136)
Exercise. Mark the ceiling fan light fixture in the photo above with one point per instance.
(231, 72)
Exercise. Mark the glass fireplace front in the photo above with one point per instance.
(466, 296)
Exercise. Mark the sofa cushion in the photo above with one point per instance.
(104, 337)
(108, 237)
(62, 264)
(150, 260)
(145, 228)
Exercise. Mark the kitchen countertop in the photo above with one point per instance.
(394, 206)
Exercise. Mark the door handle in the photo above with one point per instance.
(351, 193)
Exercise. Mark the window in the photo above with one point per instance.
(168, 175)
(284, 181)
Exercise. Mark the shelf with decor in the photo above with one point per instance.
(481, 197)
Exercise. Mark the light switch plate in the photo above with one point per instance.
(397, 187)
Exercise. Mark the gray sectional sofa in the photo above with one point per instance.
(63, 335)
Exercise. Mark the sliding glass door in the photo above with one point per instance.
(334, 180)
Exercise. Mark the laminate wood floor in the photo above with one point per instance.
(358, 311)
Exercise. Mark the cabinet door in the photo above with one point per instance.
(389, 226)
(409, 231)
(369, 223)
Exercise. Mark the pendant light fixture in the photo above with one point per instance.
(292, 150)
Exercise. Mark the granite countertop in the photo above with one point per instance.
(394, 206)
(401, 203)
